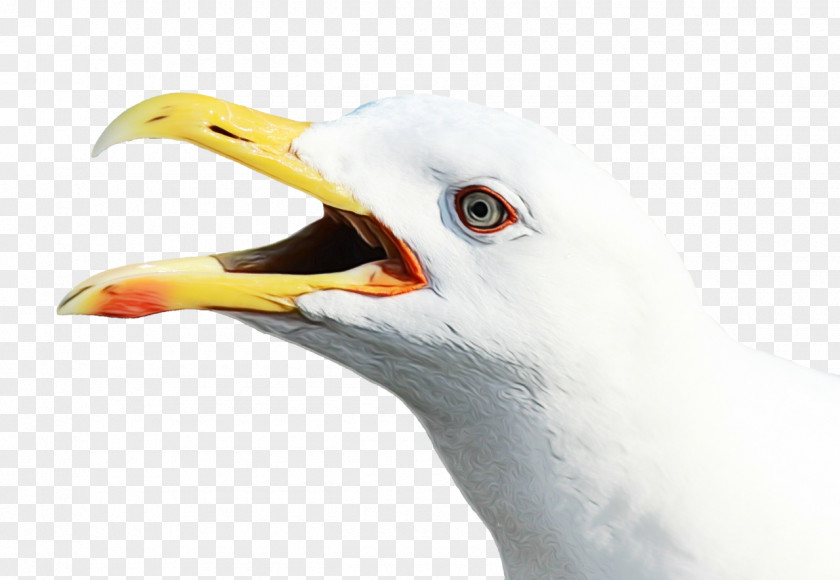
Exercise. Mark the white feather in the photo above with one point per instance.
(597, 420)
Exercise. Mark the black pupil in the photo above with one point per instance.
(479, 209)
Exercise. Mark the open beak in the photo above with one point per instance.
(347, 249)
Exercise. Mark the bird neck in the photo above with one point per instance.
(553, 452)
(506, 456)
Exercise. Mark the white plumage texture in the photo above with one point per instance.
(599, 422)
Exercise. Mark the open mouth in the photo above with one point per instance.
(338, 242)
(347, 249)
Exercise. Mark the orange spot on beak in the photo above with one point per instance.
(133, 299)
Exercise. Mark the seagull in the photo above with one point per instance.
(537, 324)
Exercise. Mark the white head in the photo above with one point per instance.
(467, 259)
(569, 267)
(575, 270)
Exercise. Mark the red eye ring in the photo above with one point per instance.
(509, 213)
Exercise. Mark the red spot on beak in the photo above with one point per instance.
(132, 299)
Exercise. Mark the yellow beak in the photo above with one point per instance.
(252, 138)
(262, 142)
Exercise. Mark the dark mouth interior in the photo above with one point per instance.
(337, 242)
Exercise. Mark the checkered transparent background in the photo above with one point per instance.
(185, 445)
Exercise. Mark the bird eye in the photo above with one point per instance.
(483, 210)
